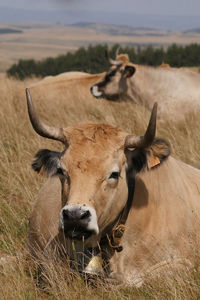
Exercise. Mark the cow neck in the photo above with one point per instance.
(113, 234)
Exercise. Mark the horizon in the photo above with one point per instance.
(174, 15)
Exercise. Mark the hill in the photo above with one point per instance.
(9, 30)
(193, 30)
(121, 30)
(19, 186)
(40, 40)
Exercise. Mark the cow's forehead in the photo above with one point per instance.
(94, 144)
(97, 134)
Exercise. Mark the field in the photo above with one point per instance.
(39, 41)
(19, 186)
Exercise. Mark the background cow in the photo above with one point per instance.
(92, 180)
(176, 90)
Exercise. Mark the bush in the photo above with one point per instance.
(93, 60)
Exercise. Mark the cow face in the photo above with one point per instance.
(114, 84)
(93, 177)
(93, 171)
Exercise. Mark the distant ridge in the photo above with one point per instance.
(66, 16)
(9, 30)
(193, 30)
(94, 25)
(120, 29)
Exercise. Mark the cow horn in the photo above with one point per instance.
(117, 52)
(41, 128)
(146, 140)
(112, 61)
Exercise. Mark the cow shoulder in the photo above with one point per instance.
(43, 221)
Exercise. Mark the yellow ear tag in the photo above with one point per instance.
(153, 161)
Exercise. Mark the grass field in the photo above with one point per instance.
(19, 186)
(39, 41)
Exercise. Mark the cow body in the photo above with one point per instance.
(161, 225)
(62, 80)
(175, 89)
(100, 170)
(163, 220)
(163, 217)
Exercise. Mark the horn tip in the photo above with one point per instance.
(28, 96)
(155, 104)
(155, 108)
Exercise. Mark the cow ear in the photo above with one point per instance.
(129, 71)
(157, 153)
(47, 162)
(150, 157)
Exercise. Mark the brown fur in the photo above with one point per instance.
(164, 65)
(63, 79)
(174, 89)
(165, 208)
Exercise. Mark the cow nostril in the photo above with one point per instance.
(65, 214)
(85, 214)
(78, 214)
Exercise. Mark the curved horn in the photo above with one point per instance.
(146, 140)
(41, 128)
(117, 52)
(112, 61)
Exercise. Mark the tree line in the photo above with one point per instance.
(93, 60)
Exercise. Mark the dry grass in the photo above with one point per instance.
(39, 41)
(19, 186)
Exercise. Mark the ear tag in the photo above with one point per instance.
(40, 174)
(153, 161)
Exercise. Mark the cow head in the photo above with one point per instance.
(114, 84)
(93, 170)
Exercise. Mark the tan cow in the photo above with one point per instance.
(176, 90)
(61, 81)
(118, 192)
(164, 65)
(72, 86)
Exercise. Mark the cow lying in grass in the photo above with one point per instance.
(110, 194)
(177, 90)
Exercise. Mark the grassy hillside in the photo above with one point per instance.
(41, 40)
(19, 185)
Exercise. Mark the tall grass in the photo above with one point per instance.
(64, 105)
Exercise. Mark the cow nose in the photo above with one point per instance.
(76, 215)
(78, 221)
(95, 91)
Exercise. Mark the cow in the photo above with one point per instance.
(164, 65)
(60, 78)
(69, 86)
(113, 196)
(177, 90)
(61, 81)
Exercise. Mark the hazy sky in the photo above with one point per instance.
(161, 7)
(161, 14)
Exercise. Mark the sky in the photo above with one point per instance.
(163, 14)
(160, 7)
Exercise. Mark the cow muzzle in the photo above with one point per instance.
(95, 91)
(78, 221)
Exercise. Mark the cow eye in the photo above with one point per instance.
(60, 171)
(111, 74)
(114, 175)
